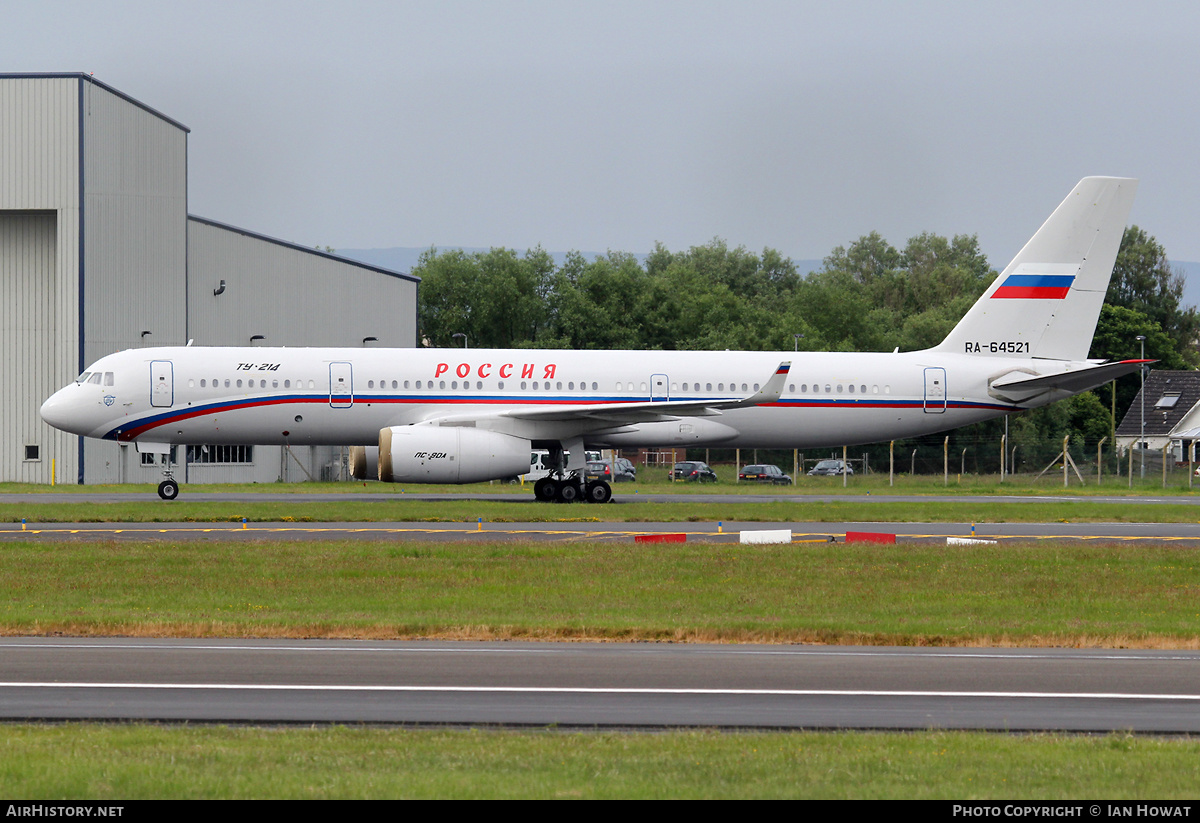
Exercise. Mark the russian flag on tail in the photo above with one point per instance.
(1035, 286)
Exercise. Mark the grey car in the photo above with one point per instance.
(830, 467)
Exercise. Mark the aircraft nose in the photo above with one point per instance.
(61, 413)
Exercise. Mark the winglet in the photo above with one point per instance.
(771, 391)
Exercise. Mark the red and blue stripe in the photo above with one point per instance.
(1035, 287)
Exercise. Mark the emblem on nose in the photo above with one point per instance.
(109, 399)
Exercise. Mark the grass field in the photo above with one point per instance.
(1043, 594)
(127, 762)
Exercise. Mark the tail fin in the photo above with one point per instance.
(1047, 300)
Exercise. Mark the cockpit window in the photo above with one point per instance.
(83, 377)
(108, 378)
(94, 379)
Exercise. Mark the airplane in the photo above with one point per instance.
(469, 415)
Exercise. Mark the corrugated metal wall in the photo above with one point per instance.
(135, 240)
(135, 226)
(290, 295)
(29, 272)
(39, 269)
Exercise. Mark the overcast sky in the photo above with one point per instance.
(613, 125)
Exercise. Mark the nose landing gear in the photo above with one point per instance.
(168, 489)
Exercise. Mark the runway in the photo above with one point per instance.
(802, 532)
(599, 685)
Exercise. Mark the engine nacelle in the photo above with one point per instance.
(449, 454)
(364, 462)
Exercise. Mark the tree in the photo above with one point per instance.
(1144, 281)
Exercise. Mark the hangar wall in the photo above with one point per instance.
(106, 178)
(98, 254)
(289, 294)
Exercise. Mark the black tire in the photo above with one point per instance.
(545, 490)
(598, 492)
(168, 490)
(568, 491)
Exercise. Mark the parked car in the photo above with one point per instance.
(693, 471)
(626, 467)
(830, 467)
(605, 470)
(765, 474)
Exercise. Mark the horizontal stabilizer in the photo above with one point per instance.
(1019, 385)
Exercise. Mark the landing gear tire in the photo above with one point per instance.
(598, 492)
(545, 490)
(568, 491)
(168, 490)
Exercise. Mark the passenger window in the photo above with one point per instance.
(203, 383)
(852, 388)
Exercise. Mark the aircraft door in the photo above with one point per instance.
(935, 390)
(659, 388)
(341, 385)
(162, 384)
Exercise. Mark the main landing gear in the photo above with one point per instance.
(570, 490)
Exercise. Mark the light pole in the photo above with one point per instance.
(1141, 338)
(798, 337)
(458, 335)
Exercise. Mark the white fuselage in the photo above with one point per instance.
(200, 395)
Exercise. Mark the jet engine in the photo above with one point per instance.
(449, 454)
(364, 462)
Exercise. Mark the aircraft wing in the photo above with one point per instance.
(656, 410)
